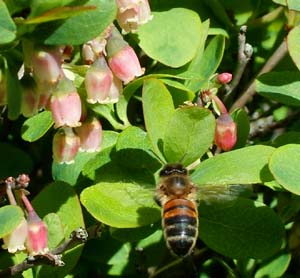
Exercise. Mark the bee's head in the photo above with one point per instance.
(170, 169)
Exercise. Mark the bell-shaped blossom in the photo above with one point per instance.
(65, 105)
(90, 134)
(37, 232)
(122, 59)
(132, 14)
(15, 241)
(98, 81)
(65, 146)
(30, 96)
(224, 77)
(46, 65)
(37, 238)
(115, 90)
(226, 132)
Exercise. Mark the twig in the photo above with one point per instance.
(279, 53)
(52, 258)
(244, 55)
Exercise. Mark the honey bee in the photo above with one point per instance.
(177, 196)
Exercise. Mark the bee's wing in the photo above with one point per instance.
(220, 193)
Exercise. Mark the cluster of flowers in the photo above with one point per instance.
(31, 234)
(111, 61)
(226, 130)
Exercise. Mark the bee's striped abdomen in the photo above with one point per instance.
(180, 222)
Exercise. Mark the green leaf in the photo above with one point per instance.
(36, 127)
(158, 108)
(61, 199)
(243, 166)
(78, 29)
(274, 268)
(14, 93)
(219, 11)
(175, 44)
(133, 150)
(284, 165)
(241, 119)
(107, 111)
(19, 162)
(70, 172)
(290, 137)
(58, 13)
(55, 230)
(121, 105)
(280, 86)
(103, 157)
(293, 39)
(11, 217)
(188, 135)
(7, 25)
(280, 2)
(241, 229)
(120, 205)
(38, 7)
(132, 234)
(293, 5)
(206, 64)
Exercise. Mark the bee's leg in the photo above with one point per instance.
(157, 200)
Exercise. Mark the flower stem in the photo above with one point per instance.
(26, 202)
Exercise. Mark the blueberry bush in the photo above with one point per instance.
(96, 96)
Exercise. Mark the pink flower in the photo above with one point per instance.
(30, 97)
(65, 146)
(132, 14)
(37, 238)
(125, 65)
(115, 90)
(46, 65)
(15, 240)
(98, 81)
(122, 59)
(224, 77)
(226, 132)
(65, 105)
(90, 134)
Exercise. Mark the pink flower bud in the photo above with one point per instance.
(132, 14)
(224, 77)
(225, 133)
(65, 145)
(65, 105)
(98, 81)
(16, 239)
(37, 238)
(90, 134)
(30, 97)
(46, 65)
(123, 61)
